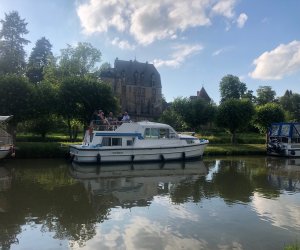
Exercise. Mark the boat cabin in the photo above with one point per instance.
(285, 132)
(127, 133)
(284, 139)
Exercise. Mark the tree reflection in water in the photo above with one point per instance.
(71, 201)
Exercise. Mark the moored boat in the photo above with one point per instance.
(137, 142)
(284, 139)
(6, 142)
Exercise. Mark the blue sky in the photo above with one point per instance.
(193, 43)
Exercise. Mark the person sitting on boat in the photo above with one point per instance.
(95, 119)
(126, 117)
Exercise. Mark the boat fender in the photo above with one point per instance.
(90, 130)
(132, 158)
(12, 151)
(98, 158)
(71, 158)
(183, 155)
(162, 158)
(293, 152)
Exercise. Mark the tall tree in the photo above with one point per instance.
(80, 60)
(40, 57)
(234, 114)
(265, 94)
(79, 97)
(291, 104)
(12, 53)
(266, 114)
(231, 87)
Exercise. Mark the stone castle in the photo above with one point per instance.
(138, 88)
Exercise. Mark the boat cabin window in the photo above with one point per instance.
(129, 142)
(108, 141)
(275, 130)
(285, 130)
(156, 133)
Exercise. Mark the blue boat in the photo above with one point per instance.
(284, 139)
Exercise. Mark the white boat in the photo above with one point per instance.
(284, 139)
(137, 142)
(6, 142)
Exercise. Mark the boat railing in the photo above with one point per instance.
(105, 126)
(5, 140)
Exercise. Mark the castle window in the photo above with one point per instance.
(152, 80)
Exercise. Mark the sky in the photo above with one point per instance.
(192, 43)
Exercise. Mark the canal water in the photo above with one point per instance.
(216, 203)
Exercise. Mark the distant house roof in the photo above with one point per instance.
(202, 94)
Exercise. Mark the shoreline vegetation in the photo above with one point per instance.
(57, 146)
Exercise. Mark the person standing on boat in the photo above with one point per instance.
(126, 117)
(95, 119)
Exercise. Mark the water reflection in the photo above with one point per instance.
(136, 184)
(215, 203)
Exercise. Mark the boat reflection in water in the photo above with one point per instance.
(284, 173)
(136, 184)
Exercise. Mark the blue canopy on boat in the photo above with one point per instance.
(286, 129)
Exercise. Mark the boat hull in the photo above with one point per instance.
(4, 151)
(83, 154)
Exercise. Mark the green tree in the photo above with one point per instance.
(234, 114)
(79, 97)
(267, 114)
(265, 94)
(194, 112)
(40, 57)
(171, 117)
(80, 60)
(291, 104)
(44, 107)
(231, 87)
(12, 53)
(16, 97)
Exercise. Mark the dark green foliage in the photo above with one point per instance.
(265, 94)
(79, 61)
(267, 114)
(12, 53)
(171, 117)
(231, 87)
(291, 104)
(79, 97)
(194, 112)
(39, 58)
(234, 114)
(40, 150)
(16, 98)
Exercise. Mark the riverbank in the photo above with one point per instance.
(60, 150)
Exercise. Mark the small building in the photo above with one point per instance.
(137, 86)
(202, 94)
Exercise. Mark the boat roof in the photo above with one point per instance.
(5, 118)
(140, 126)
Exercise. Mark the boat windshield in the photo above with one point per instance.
(296, 130)
(155, 133)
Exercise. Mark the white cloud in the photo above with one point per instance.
(224, 8)
(274, 65)
(99, 16)
(242, 19)
(181, 52)
(122, 44)
(149, 21)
